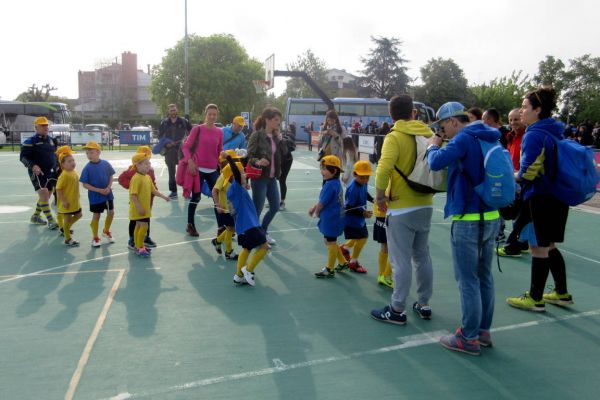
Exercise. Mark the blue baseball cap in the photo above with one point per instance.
(449, 110)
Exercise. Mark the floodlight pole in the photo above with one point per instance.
(186, 100)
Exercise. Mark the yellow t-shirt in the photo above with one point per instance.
(68, 184)
(222, 185)
(141, 185)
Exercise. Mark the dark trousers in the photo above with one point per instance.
(211, 179)
(522, 219)
(172, 167)
(286, 165)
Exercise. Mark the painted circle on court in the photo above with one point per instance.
(13, 209)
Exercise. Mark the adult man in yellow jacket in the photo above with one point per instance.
(408, 214)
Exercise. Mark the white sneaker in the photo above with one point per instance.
(249, 276)
(108, 235)
(96, 242)
(270, 240)
(239, 280)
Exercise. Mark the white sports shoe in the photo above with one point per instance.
(239, 280)
(108, 235)
(249, 276)
(270, 240)
(96, 242)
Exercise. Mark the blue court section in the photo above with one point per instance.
(102, 323)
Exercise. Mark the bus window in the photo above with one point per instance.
(302, 108)
(320, 109)
(377, 110)
(353, 110)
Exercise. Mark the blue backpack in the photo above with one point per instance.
(575, 178)
(498, 187)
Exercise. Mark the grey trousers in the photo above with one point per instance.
(408, 245)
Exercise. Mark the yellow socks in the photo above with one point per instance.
(94, 224)
(388, 269)
(340, 256)
(107, 222)
(228, 240)
(60, 220)
(221, 237)
(382, 262)
(332, 255)
(68, 222)
(258, 255)
(358, 246)
(242, 258)
(139, 233)
(350, 243)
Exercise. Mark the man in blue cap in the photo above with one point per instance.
(474, 223)
(173, 128)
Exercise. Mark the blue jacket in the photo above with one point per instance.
(538, 160)
(463, 150)
(239, 142)
(39, 150)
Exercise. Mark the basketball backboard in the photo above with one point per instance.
(270, 71)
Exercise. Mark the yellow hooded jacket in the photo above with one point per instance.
(399, 150)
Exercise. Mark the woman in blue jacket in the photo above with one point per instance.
(548, 215)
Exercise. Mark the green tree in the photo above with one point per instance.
(581, 96)
(503, 94)
(314, 67)
(551, 71)
(220, 72)
(35, 93)
(443, 81)
(385, 73)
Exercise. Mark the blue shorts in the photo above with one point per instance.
(351, 232)
(379, 230)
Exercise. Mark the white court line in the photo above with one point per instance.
(92, 339)
(577, 255)
(17, 277)
(407, 343)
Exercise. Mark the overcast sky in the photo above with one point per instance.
(49, 41)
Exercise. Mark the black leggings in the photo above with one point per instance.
(132, 228)
(211, 179)
(286, 165)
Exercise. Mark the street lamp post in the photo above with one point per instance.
(186, 101)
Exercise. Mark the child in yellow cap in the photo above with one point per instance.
(355, 230)
(329, 209)
(67, 193)
(97, 178)
(141, 190)
(225, 221)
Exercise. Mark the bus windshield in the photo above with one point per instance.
(19, 116)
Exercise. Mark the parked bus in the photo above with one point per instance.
(16, 116)
(307, 113)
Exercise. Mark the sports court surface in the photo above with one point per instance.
(102, 323)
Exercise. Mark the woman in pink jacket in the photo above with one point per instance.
(201, 154)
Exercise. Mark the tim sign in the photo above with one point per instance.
(134, 137)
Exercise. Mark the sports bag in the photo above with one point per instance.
(422, 179)
(498, 186)
(575, 177)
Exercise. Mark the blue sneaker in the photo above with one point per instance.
(423, 311)
(387, 314)
(457, 342)
(148, 242)
(131, 245)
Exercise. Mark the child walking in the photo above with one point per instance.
(247, 226)
(384, 276)
(124, 181)
(97, 178)
(329, 211)
(355, 230)
(141, 190)
(225, 221)
(67, 193)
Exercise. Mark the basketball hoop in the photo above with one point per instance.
(261, 86)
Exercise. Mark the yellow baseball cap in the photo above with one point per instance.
(363, 168)
(332, 161)
(41, 121)
(92, 145)
(239, 120)
(230, 153)
(138, 157)
(144, 150)
(63, 149)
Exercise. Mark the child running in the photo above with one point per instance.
(329, 211)
(355, 230)
(124, 181)
(67, 193)
(250, 234)
(225, 221)
(141, 190)
(97, 178)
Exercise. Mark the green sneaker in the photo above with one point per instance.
(526, 302)
(37, 220)
(325, 273)
(382, 280)
(341, 267)
(503, 252)
(558, 299)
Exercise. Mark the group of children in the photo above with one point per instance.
(347, 213)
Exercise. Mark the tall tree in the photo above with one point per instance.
(551, 71)
(385, 73)
(314, 67)
(220, 72)
(443, 81)
(503, 94)
(35, 93)
(581, 96)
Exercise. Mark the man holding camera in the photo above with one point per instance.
(173, 128)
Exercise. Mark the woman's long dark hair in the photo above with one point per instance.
(333, 115)
(545, 98)
(268, 113)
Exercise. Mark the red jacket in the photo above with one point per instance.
(514, 146)
(125, 177)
